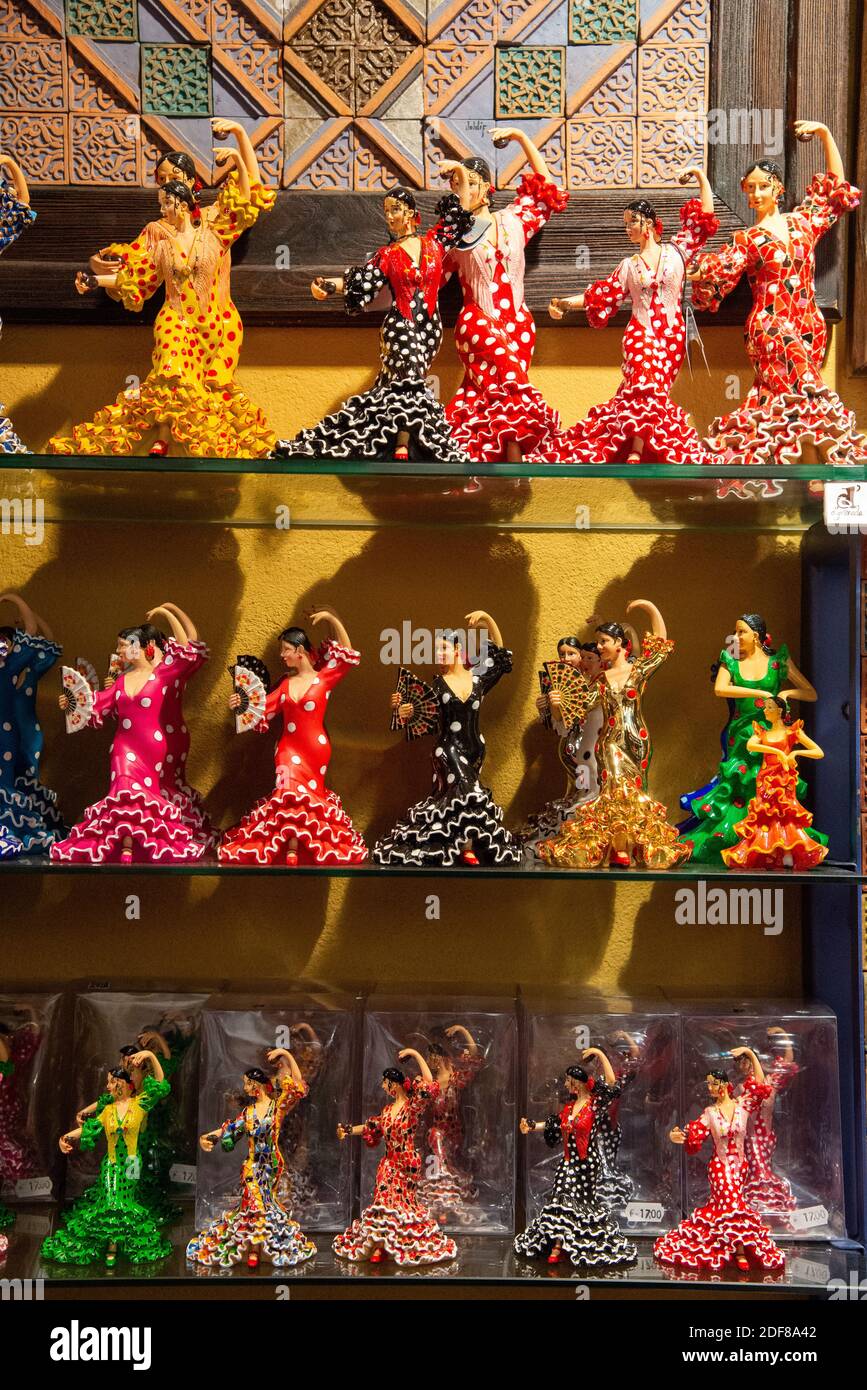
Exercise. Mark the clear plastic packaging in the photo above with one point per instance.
(641, 1181)
(107, 1021)
(34, 1031)
(466, 1138)
(794, 1175)
(319, 1028)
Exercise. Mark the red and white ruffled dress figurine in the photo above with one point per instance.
(789, 415)
(765, 1190)
(396, 1224)
(137, 821)
(497, 415)
(641, 424)
(726, 1231)
(301, 821)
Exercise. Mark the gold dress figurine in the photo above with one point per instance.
(623, 825)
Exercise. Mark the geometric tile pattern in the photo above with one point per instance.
(355, 94)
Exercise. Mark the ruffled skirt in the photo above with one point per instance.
(410, 1237)
(710, 1239)
(586, 1232)
(323, 830)
(484, 422)
(367, 425)
(619, 814)
(226, 1241)
(436, 831)
(154, 825)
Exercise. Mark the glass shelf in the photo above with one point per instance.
(210, 868)
(355, 494)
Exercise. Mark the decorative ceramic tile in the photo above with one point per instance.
(602, 80)
(675, 21)
(600, 152)
(530, 81)
(18, 21)
(466, 23)
(451, 73)
(102, 19)
(333, 169)
(39, 144)
(549, 136)
(533, 21)
(105, 150)
(665, 147)
(33, 75)
(602, 21)
(176, 79)
(672, 78)
(103, 76)
(447, 138)
(268, 141)
(395, 148)
(163, 133)
(248, 79)
(233, 21)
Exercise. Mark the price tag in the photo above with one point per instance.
(27, 1223)
(808, 1218)
(809, 1272)
(183, 1173)
(644, 1213)
(33, 1187)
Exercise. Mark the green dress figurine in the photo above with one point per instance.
(109, 1218)
(744, 681)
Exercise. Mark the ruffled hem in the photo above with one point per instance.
(624, 813)
(484, 421)
(10, 845)
(542, 190)
(9, 441)
(545, 824)
(614, 1190)
(410, 1238)
(587, 1234)
(795, 428)
(89, 1229)
(208, 424)
(226, 1241)
(707, 1240)
(769, 1195)
(154, 825)
(606, 433)
(769, 846)
(194, 816)
(367, 426)
(436, 831)
(324, 832)
(447, 1196)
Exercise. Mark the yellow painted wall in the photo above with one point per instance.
(243, 583)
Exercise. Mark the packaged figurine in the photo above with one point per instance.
(789, 415)
(399, 417)
(497, 415)
(465, 1141)
(641, 424)
(302, 822)
(459, 823)
(396, 1224)
(30, 821)
(792, 1147)
(190, 397)
(623, 825)
(33, 1043)
(15, 214)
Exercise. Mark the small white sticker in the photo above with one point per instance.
(183, 1173)
(28, 1223)
(808, 1271)
(33, 1187)
(845, 506)
(808, 1218)
(644, 1213)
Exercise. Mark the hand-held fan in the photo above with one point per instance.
(79, 700)
(88, 670)
(573, 689)
(424, 719)
(250, 680)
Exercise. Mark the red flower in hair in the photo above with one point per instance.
(407, 1083)
(590, 1083)
(731, 1091)
(657, 227)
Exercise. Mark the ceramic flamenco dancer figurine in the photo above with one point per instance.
(641, 424)
(447, 1187)
(623, 825)
(497, 415)
(459, 823)
(399, 416)
(29, 819)
(789, 415)
(578, 737)
(136, 821)
(775, 832)
(189, 655)
(765, 1191)
(302, 822)
(726, 1231)
(189, 398)
(573, 1218)
(109, 1219)
(396, 1224)
(15, 214)
(745, 681)
(259, 1223)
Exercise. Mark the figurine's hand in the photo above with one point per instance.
(526, 1126)
(80, 1117)
(395, 700)
(692, 171)
(775, 1031)
(343, 1132)
(554, 700)
(234, 700)
(590, 1052)
(321, 288)
(224, 154)
(321, 615)
(65, 1144)
(223, 128)
(477, 618)
(406, 711)
(505, 133)
(740, 1051)
(542, 703)
(805, 130)
(85, 281)
(206, 1142)
(557, 308)
(677, 1135)
(452, 1029)
(405, 1052)
(447, 167)
(65, 701)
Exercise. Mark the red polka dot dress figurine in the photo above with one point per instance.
(789, 414)
(447, 1187)
(641, 424)
(397, 1225)
(765, 1190)
(497, 415)
(624, 824)
(301, 822)
(137, 822)
(189, 399)
(775, 832)
(399, 417)
(726, 1231)
(574, 1219)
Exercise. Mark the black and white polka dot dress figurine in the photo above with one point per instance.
(459, 823)
(574, 1220)
(399, 417)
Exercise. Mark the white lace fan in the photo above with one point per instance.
(79, 713)
(251, 688)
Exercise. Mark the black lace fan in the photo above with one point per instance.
(425, 715)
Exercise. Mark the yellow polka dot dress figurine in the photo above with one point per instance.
(189, 402)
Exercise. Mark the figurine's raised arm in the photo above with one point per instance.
(657, 626)
(327, 615)
(501, 135)
(423, 1067)
(607, 1069)
(758, 1072)
(806, 130)
(479, 618)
